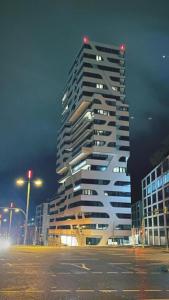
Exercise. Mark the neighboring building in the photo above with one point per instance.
(137, 214)
(137, 222)
(42, 223)
(93, 205)
(155, 193)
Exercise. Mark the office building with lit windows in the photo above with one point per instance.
(93, 203)
(155, 200)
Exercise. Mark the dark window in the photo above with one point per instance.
(97, 101)
(166, 192)
(160, 195)
(88, 55)
(107, 50)
(155, 221)
(124, 148)
(110, 103)
(92, 75)
(124, 138)
(52, 227)
(111, 144)
(160, 207)
(95, 215)
(99, 122)
(153, 176)
(85, 203)
(113, 60)
(123, 227)
(98, 156)
(158, 171)
(63, 227)
(124, 118)
(125, 128)
(122, 159)
(122, 183)
(65, 218)
(123, 216)
(117, 193)
(115, 79)
(148, 180)
(92, 241)
(109, 69)
(161, 220)
(120, 204)
(111, 123)
(154, 198)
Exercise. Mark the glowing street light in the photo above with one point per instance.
(21, 182)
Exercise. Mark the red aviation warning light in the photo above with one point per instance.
(11, 205)
(85, 40)
(29, 174)
(122, 48)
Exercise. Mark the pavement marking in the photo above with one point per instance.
(107, 291)
(120, 263)
(80, 265)
(127, 272)
(22, 291)
(151, 290)
(67, 259)
(112, 272)
(86, 291)
(97, 272)
(130, 290)
(60, 291)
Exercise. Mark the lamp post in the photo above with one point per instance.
(21, 182)
(11, 209)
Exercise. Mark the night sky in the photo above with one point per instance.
(38, 43)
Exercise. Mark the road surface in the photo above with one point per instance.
(46, 273)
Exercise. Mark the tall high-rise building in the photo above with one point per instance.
(93, 205)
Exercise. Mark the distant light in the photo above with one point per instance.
(30, 174)
(38, 182)
(149, 118)
(85, 40)
(163, 56)
(32, 219)
(122, 47)
(6, 209)
(5, 220)
(17, 210)
(20, 182)
(132, 117)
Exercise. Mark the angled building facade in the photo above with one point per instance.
(93, 204)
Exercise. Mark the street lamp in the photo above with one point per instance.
(21, 182)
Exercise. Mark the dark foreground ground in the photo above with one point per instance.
(78, 273)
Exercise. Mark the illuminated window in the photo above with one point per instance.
(98, 58)
(99, 86)
(119, 170)
(114, 88)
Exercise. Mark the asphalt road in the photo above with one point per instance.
(83, 273)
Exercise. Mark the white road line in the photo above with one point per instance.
(86, 291)
(60, 291)
(151, 290)
(97, 272)
(23, 291)
(120, 263)
(107, 291)
(127, 272)
(112, 272)
(130, 290)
